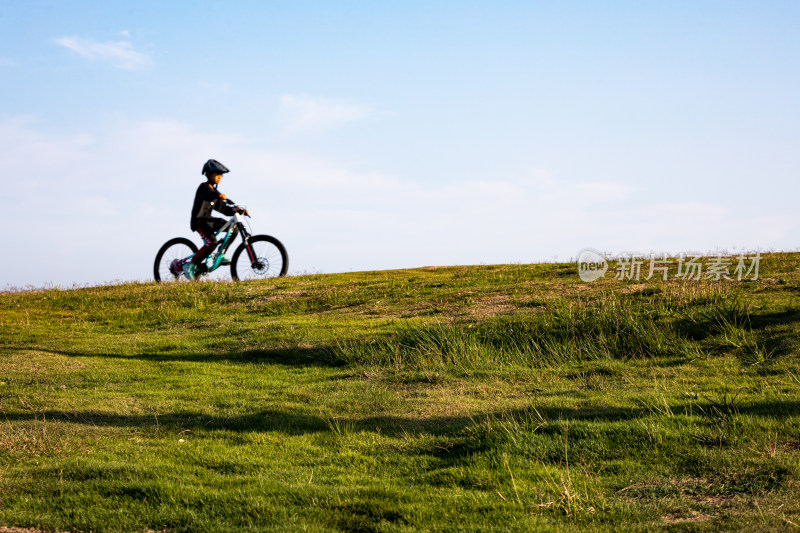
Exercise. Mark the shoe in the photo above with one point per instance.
(225, 259)
(190, 270)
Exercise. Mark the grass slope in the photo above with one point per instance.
(488, 398)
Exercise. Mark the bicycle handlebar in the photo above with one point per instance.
(239, 209)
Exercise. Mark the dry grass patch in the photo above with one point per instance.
(488, 307)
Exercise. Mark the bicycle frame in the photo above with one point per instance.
(216, 257)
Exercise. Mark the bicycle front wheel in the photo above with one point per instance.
(263, 257)
(169, 259)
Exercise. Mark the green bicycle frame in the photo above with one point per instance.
(216, 257)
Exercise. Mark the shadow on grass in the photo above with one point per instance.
(297, 356)
(777, 318)
(709, 324)
(295, 423)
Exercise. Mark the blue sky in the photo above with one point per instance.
(397, 134)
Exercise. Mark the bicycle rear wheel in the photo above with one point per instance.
(265, 258)
(169, 259)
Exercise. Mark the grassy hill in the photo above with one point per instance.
(485, 398)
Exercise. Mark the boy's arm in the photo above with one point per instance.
(222, 207)
(217, 200)
(209, 193)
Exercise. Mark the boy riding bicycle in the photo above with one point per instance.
(208, 199)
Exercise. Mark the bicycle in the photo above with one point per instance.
(258, 256)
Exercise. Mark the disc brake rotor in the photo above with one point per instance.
(260, 266)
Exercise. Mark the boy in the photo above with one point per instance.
(206, 199)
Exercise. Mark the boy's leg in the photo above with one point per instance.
(209, 242)
(207, 230)
(196, 265)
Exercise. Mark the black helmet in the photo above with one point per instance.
(214, 167)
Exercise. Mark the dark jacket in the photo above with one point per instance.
(205, 200)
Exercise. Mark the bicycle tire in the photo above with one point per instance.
(171, 250)
(272, 260)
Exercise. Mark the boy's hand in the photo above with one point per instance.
(222, 197)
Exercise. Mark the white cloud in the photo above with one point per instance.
(305, 114)
(120, 54)
(98, 206)
(126, 189)
(36, 155)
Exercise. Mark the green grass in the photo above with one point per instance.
(485, 398)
